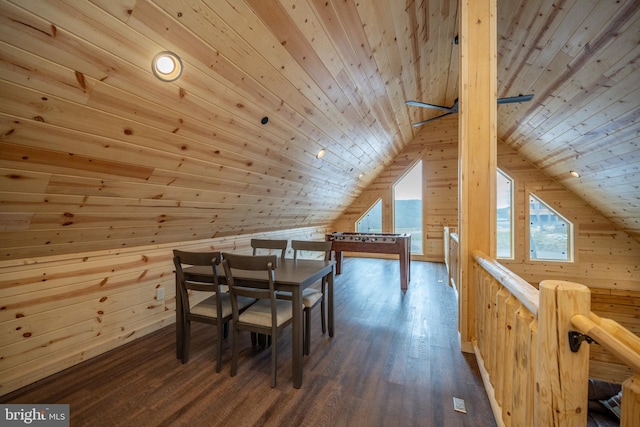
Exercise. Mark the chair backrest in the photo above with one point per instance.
(269, 244)
(311, 246)
(266, 263)
(205, 283)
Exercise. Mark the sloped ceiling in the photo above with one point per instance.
(96, 153)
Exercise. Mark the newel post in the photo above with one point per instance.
(561, 376)
(631, 401)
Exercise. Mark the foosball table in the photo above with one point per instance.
(382, 243)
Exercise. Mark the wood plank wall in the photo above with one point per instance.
(105, 155)
(437, 146)
(58, 311)
(604, 256)
(607, 260)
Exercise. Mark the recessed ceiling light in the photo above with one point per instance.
(167, 66)
(360, 176)
(321, 153)
(575, 174)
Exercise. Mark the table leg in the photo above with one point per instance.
(330, 300)
(405, 263)
(338, 262)
(296, 344)
(179, 325)
(409, 258)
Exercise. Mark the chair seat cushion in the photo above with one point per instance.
(208, 306)
(260, 313)
(310, 296)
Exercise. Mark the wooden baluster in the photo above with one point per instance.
(490, 360)
(521, 367)
(499, 326)
(485, 284)
(511, 309)
(531, 382)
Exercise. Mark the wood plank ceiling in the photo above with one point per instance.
(96, 153)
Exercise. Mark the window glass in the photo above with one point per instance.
(407, 205)
(504, 215)
(550, 234)
(371, 222)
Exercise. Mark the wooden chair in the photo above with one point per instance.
(268, 316)
(269, 244)
(215, 310)
(311, 296)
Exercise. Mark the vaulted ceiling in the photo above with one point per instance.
(97, 153)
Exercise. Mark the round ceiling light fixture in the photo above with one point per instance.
(167, 66)
(574, 174)
(321, 153)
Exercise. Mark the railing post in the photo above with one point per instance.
(561, 375)
(631, 401)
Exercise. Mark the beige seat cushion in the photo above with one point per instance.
(208, 306)
(260, 313)
(310, 296)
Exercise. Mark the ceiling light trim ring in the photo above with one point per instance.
(167, 66)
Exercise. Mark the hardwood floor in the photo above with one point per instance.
(394, 361)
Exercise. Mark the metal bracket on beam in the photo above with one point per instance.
(576, 338)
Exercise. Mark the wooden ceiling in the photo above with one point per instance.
(97, 153)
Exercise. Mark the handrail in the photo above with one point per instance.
(520, 288)
(605, 336)
(618, 331)
(522, 348)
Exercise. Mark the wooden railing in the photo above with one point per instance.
(626, 347)
(531, 375)
(451, 255)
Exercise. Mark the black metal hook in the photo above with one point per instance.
(576, 338)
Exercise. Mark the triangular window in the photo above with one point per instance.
(550, 234)
(371, 222)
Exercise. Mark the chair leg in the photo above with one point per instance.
(234, 352)
(186, 338)
(322, 316)
(262, 340)
(254, 339)
(307, 331)
(274, 361)
(225, 333)
(179, 338)
(219, 347)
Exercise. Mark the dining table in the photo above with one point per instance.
(291, 276)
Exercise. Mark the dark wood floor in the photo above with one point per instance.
(394, 361)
